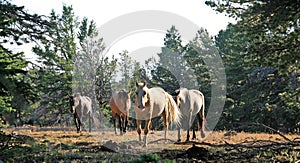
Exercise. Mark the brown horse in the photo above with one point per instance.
(152, 102)
(191, 103)
(80, 105)
(120, 104)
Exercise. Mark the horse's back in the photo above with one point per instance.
(120, 102)
(157, 95)
(87, 102)
(156, 92)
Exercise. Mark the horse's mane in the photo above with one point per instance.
(123, 93)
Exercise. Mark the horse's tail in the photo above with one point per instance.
(203, 111)
(174, 112)
(203, 105)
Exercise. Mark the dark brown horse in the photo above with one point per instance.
(81, 105)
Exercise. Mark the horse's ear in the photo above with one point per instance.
(137, 84)
(69, 96)
(145, 83)
(129, 92)
(177, 92)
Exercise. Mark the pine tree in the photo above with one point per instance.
(56, 58)
(17, 90)
(271, 30)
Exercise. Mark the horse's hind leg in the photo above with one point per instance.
(201, 122)
(194, 132)
(189, 126)
(165, 119)
(203, 125)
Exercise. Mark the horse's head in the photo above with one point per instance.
(74, 101)
(128, 102)
(142, 96)
(180, 96)
(124, 99)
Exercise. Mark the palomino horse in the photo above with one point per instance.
(80, 105)
(152, 102)
(120, 104)
(191, 103)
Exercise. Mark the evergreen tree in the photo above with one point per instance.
(170, 69)
(17, 90)
(56, 59)
(271, 29)
(87, 59)
(125, 69)
(104, 75)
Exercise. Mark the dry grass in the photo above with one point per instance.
(64, 141)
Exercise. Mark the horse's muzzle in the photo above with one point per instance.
(141, 107)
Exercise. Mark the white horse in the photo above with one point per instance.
(152, 102)
(191, 103)
(80, 105)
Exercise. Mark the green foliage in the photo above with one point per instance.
(152, 157)
(262, 65)
(56, 58)
(16, 88)
(167, 72)
(88, 58)
(103, 85)
(125, 69)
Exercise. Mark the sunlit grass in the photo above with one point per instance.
(67, 144)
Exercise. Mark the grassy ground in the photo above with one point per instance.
(33, 144)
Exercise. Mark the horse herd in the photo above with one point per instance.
(149, 103)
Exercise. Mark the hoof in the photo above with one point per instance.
(179, 140)
(202, 134)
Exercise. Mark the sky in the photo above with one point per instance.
(103, 11)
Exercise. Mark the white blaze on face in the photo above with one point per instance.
(141, 95)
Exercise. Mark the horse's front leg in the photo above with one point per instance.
(121, 123)
(76, 122)
(125, 121)
(79, 120)
(146, 130)
(80, 123)
(139, 128)
(179, 134)
(90, 122)
(114, 120)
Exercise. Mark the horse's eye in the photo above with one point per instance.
(144, 92)
(136, 93)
